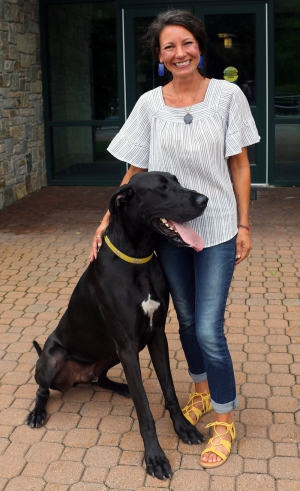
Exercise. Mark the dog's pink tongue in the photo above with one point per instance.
(188, 235)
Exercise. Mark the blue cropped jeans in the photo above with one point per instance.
(199, 284)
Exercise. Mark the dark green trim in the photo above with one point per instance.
(282, 183)
(92, 122)
(45, 89)
(260, 174)
(85, 182)
(120, 64)
(60, 2)
(271, 94)
(287, 120)
(183, 4)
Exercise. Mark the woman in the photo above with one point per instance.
(196, 128)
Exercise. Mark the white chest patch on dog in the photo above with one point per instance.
(149, 307)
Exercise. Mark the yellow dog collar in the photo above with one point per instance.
(128, 259)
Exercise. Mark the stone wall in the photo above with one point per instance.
(22, 148)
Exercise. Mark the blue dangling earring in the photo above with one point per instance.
(161, 69)
(200, 62)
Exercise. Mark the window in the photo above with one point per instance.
(83, 91)
(287, 90)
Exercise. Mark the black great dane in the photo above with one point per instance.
(120, 305)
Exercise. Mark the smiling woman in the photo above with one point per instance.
(197, 129)
(179, 50)
(180, 54)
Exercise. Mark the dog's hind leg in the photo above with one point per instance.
(49, 365)
(105, 383)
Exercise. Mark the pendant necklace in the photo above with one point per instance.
(188, 118)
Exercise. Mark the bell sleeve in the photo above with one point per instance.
(241, 129)
(132, 143)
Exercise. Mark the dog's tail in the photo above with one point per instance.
(38, 348)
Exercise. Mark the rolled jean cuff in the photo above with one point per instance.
(225, 408)
(198, 378)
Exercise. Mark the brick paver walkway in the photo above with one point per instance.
(91, 440)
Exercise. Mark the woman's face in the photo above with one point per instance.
(179, 51)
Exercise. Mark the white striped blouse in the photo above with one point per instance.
(156, 138)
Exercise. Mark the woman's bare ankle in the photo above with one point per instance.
(202, 387)
(224, 418)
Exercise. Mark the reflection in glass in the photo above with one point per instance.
(79, 153)
(231, 43)
(287, 59)
(230, 54)
(287, 152)
(83, 86)
(82, 48)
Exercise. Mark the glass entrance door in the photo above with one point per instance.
(236, 52)
(83, 108)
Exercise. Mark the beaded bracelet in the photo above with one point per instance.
(247, 227)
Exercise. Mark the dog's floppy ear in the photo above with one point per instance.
(123, 195)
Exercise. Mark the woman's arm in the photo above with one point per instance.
(241, 179)
(97, 239)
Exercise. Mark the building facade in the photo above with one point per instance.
(72, 70)
(22, 140)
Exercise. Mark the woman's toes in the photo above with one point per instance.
(210, 457)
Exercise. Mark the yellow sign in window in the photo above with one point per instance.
(231, 74)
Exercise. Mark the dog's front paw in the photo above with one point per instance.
(36, 418)
(158, 466)
(188, 433)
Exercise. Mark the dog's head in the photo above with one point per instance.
(156, 201)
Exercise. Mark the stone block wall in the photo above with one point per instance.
(22, 147)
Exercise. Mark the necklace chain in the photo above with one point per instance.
(187, 110)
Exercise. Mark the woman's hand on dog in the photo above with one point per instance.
(97, 239)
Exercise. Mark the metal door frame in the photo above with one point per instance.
(264, 10)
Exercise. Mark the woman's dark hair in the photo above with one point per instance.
(182, 18)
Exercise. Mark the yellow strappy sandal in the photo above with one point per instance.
(190, 408)
(230, 428)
